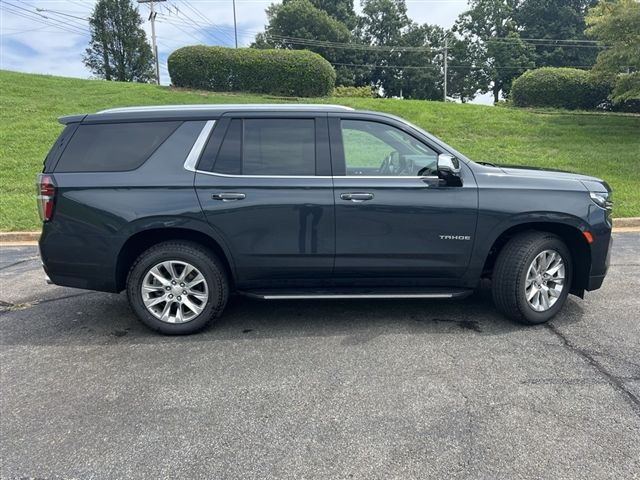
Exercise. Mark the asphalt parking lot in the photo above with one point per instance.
(319, 389)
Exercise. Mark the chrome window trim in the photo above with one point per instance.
(429, 177)
(195, 152)
(200, 143)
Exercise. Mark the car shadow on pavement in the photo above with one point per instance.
(91, 318)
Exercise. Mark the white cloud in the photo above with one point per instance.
(30, 43)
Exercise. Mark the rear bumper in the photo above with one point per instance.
(72, 262)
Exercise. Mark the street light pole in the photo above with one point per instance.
(235, 26)
(154, 46)
(446, 58)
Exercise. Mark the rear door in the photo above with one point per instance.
(264, 183)
(394, 217)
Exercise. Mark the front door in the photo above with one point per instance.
(265, 185)
(394, 218)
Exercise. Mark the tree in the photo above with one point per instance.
(118, 49)
(490, 25)
(467, 74)
(556, 20)
(293, 20)
(617, 25)
(422, 77)
(341, 10)
(382, 24)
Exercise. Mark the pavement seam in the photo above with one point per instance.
(8, 307)
(615, 382)
(19, 262)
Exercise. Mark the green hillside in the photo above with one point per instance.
(605, 145)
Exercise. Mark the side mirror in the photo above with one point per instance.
(448, 165)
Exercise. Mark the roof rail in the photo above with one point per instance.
(222, 106)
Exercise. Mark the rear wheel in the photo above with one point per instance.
(532, 277)
(177, 287)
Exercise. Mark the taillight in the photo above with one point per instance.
(46, 196)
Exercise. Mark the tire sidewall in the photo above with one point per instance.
(527, 311)
(183, 254)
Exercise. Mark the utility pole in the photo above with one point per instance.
(446, 58)
(235, 26)
(154, 46)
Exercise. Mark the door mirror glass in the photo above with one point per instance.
(448, 165)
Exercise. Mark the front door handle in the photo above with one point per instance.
(356, 197)
(227, 196)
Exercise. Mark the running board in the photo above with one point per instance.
(355, 293)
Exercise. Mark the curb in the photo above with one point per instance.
(620, 225)
(630, 222)
(19, 237)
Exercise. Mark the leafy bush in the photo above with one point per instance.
(626, 93)
(278, 72)
(560, 88)
(361, 92)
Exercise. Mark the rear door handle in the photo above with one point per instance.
(228, 196)
(356, 197)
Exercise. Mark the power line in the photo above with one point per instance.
(207, 20)
(42, 20)
(436, 67)
(32, 15)
(183, 22)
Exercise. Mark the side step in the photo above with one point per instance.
(321, 294)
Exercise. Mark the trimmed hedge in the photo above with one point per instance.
(360, 92)
(299, 73)
(560, 88)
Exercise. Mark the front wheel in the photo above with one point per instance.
(532, 277)
(177, 288)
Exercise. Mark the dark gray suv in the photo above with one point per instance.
(182, 205)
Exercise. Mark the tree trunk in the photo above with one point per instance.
(496, 94)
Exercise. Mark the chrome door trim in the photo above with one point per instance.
(192, 159)
(338, 296)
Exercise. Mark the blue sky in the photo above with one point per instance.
(29, 43)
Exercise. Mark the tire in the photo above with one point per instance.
(512, 268)
(205, 300)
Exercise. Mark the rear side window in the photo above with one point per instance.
(267, 147)
(112, 147)
(279, 147)
(228, 160)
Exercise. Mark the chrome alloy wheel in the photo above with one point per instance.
(174, 291)
(545, 280)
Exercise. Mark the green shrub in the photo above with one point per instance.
(560, 88)
(360, 92)
(626, 93)
(299, 73)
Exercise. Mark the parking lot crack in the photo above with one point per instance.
(616, 382)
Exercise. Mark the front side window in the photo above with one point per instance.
(377, 149)
(113, 147)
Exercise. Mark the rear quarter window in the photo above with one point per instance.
(112, 147)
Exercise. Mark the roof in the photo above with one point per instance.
(195, 112)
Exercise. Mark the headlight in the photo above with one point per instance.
(602, 199)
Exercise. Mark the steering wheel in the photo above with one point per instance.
(393, 165)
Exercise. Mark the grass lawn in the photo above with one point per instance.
(604, 145)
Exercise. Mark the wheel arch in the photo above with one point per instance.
(142, 240)
(572, 236)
